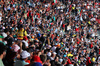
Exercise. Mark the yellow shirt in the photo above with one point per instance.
(69, 55)
(21, 34)
(93, 59)
(73, 8)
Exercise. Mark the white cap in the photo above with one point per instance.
(61, 60)
(4, 35)
(25, 54)
(49, 54)
(37, 31)
(54, 53)
(16, 47)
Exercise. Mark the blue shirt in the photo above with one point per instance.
(36, 64)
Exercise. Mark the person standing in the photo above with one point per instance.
(2, 53)
(21, 33)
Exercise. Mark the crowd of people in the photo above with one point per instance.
(49, 33)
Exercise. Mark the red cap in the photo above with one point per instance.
(25, 38)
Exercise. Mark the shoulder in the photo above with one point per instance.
(18, 63)
(23, 29)
(36, 64)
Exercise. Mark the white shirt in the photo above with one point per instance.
(26, 43)
(68, 27)
(0, 16)
(51, 58)
(53, 48)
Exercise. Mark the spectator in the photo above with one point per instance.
(60, 29)
(2, 53)
(24, 58)
(21, 32)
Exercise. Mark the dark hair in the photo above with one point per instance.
(21, 26)
(23, 46)
(64, 61)
(2, 48)
(43, 58)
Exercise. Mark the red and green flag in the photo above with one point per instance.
(55, 1)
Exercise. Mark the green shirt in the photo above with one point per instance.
(3, 42)
(20, 63)
(1, 63)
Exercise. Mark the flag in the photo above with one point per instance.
(55, 1)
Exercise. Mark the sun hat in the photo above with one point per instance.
(25, 54)
(16, 48)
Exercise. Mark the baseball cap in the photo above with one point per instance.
(49, 54)
(25, 54)
(25, 38)
(54, 53)
(4, 35)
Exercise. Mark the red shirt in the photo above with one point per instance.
(99, 21)
(88, 61)
(91, 45)
(69, 62)
(63, 25)
(28, 61)
(77, 29)
(53, 3)
(28, 14)
(37, 58)
(99, 51)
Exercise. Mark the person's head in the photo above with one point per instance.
(25, 38)
(21, 27)
(43, 58)
(56, 58)
(2, 50)
(64, 62)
